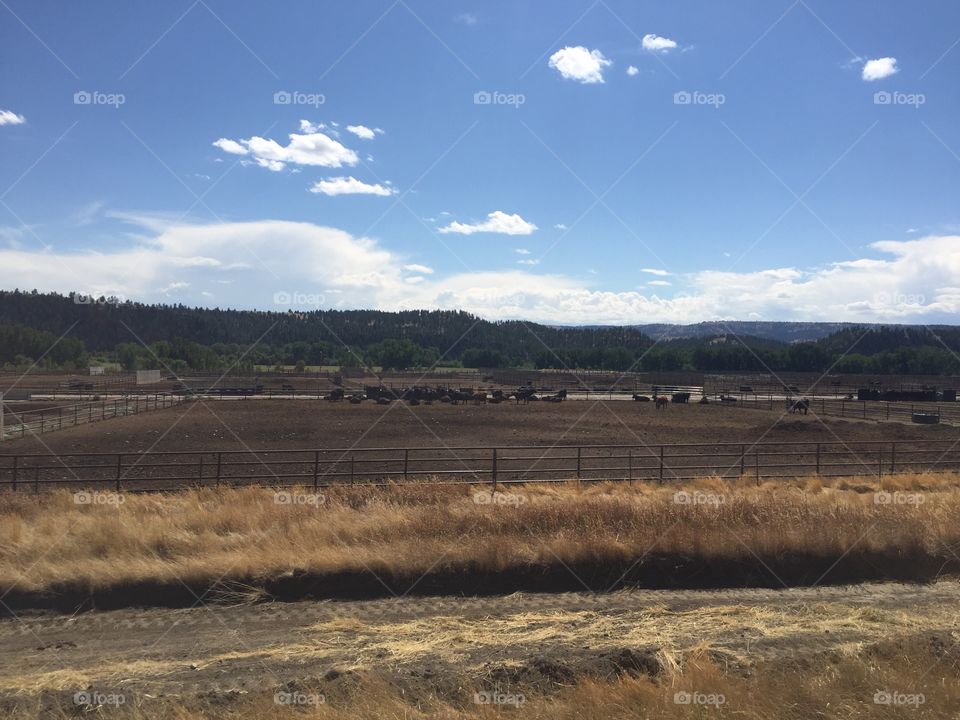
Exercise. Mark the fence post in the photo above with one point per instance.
(742, 453)
(630, 466)
(200, 475)
(818, 458)
(757, 459)
(119, 460)
(880, 463)
(60, 418)
(316, 468)
(579, 452)
(406, 462)
(15, 459)
(75, 413)
(660, 479)
(351, 469)
(893, 457)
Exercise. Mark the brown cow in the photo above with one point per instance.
(662, 401)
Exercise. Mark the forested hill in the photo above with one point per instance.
(141, 336)
(103, 325)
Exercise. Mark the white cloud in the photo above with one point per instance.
(879, 68)
(521, 251)
(350, 186)
(655, 43)
(8, 117)
(496, 222)
(580, 64)
(416, 268)
(364, 133)
(249, 262)
(659, 283)
(311, 148)
(466, 19)
(633, 70)
(654, 271)
(528, 262)
(560, 226)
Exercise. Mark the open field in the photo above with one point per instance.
(425, 621)
(243, 424)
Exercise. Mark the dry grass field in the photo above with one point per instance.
(294, 542)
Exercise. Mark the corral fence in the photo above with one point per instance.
(21, 423)
(474, 465)
(880, 410)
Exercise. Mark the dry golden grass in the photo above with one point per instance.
(925, 678)
(244, 533)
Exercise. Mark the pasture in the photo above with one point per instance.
(420, 599)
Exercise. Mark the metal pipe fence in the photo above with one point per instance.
(323, 467)
(21, 423)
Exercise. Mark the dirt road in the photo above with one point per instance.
(443, 642)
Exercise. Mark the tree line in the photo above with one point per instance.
(57, 331)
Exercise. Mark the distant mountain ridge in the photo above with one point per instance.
(786, 332)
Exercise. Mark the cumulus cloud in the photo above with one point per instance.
(310, 147)
(879, 68)
(496, 222)
(8, 117)
(656, 44)
(580, 64)
(350, 186)
(417, 268)
(633, 70)
(364, 133)
(248, 263)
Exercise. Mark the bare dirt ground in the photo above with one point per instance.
(241, 424)
(430, 644)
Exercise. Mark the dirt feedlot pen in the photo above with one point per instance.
(477, 465)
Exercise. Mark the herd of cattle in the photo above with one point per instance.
(427, 395)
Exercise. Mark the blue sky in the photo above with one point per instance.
(637, 161)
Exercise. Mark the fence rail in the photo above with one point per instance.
(487, 465)
(19, 424)
(880, 410)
